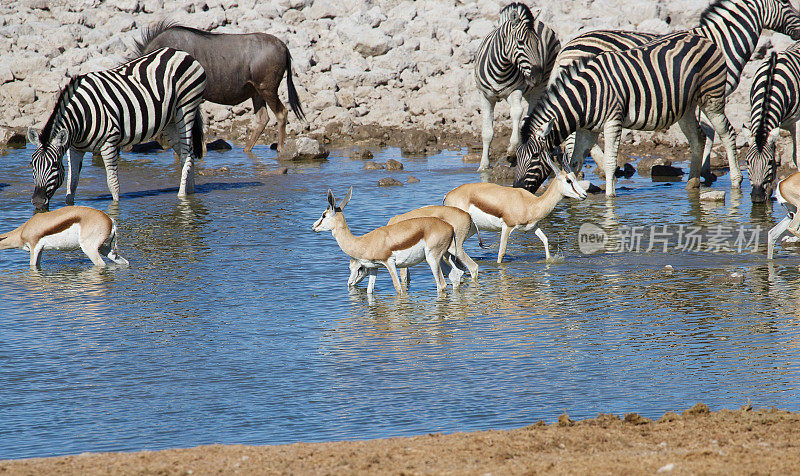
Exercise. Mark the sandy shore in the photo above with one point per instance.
(743, 441)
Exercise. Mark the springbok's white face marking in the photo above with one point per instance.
(570, 186)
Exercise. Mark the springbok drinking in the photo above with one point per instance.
(495, 207)
(401, 245)
(463, 228)
(788, 193)
(67, 228)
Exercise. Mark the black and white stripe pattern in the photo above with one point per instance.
(513, 61)
(774, 105)
(646, 88)
(108, 110)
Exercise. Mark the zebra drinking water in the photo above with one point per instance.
(774, 105)
(733, 25)
(513, 61)
(107, 110)
(646, 88)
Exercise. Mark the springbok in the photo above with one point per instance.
(400, 245)
(788, 193)
(67, 228)
(463, 228)
(495, 207)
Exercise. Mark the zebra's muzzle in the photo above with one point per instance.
(40, 201)
(758, 194)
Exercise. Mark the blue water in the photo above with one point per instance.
(234, 323)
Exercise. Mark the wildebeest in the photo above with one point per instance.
(238, 67)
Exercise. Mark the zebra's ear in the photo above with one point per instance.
(542, 132)
(33, 136)
(346, 199)
(61, 138)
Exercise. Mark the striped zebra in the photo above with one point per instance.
(734, 25)
(646, 88)
(774, 105)
(108, 110)
(513, 61)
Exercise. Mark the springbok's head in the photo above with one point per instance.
(333, 213)
(761, 164)
(565, 177)
(47, 165)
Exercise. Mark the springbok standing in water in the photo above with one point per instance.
(67, 228)
(463, 228)
(239, 67)
(495, 207)
(788, 193)
(401, 245)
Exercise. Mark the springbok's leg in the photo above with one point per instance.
(36, 255)
(373, 273)
(392, 267)
(697, 139)
(434, 261)
(75, 160)
(110, 154)
(262, 118)
(775, 232)
(584, 140)
(92, 251)
(515, 103)
(611, 131)
(405, 276)
(715, 112)
(487, 130)
(542, 237)
(505, 231)
(271, 96)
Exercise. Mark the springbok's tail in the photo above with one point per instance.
(197, 134)
(477, 232)
(294, 101)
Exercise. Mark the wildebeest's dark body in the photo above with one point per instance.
(238, 67)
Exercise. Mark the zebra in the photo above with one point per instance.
(107, 110)
(774, 105)
(513, 61)
(646, 88)
(734, 25)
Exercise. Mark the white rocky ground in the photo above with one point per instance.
(391, 63)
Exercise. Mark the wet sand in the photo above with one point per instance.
(743, 441)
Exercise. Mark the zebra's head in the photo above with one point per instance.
(761, 166)
(517, 10)
(524, 52)
(47, 164)
(782, 17)
(533, 156)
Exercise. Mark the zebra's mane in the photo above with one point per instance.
(715, 6)
(761, 132)
(517, 10)
(565, 76)
(152, 31)
(63, 98)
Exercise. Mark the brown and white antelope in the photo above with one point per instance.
(495, 207)
(67, 228)
(463, 228)
(400, 245)
(788, 193)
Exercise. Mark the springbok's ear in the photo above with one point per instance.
(61, 138)
(542, 132)
(33, 136)
(331, 200)
(773, 135)
(548, 159)
(346, 199)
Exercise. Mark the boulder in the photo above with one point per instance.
(218, 144)
(713, 196)
(662, 173)
(389, 182)
(392, 164)
(412, 179)
(362, 154)
(144, 147)
(370, 165)
(303, 148)
(645, 164)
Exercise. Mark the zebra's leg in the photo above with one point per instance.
(487, 131)
(705, 168)
(696, 138)
(715, 112)
(515, 104)
(584, 139)
(75, 160)
(110, 155)
(612, 130)
(179, 135)
(792, 128)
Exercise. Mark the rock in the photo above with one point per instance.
(713, 196)
(416, 142)
(502, 172)
(692, 183)
(645, 164)
(412, 179)
(303, 148)
(389, 182)
(16, 141)
(697, 409)
(370, 165)
(278, 171)
(362, 154)
(668, 269)
(145, 147)
(627, 171)
(565, 420)
(659, 171)
(218, 144)
(392, 164)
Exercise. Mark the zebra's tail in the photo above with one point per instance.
(294, 101)
(197, 134)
